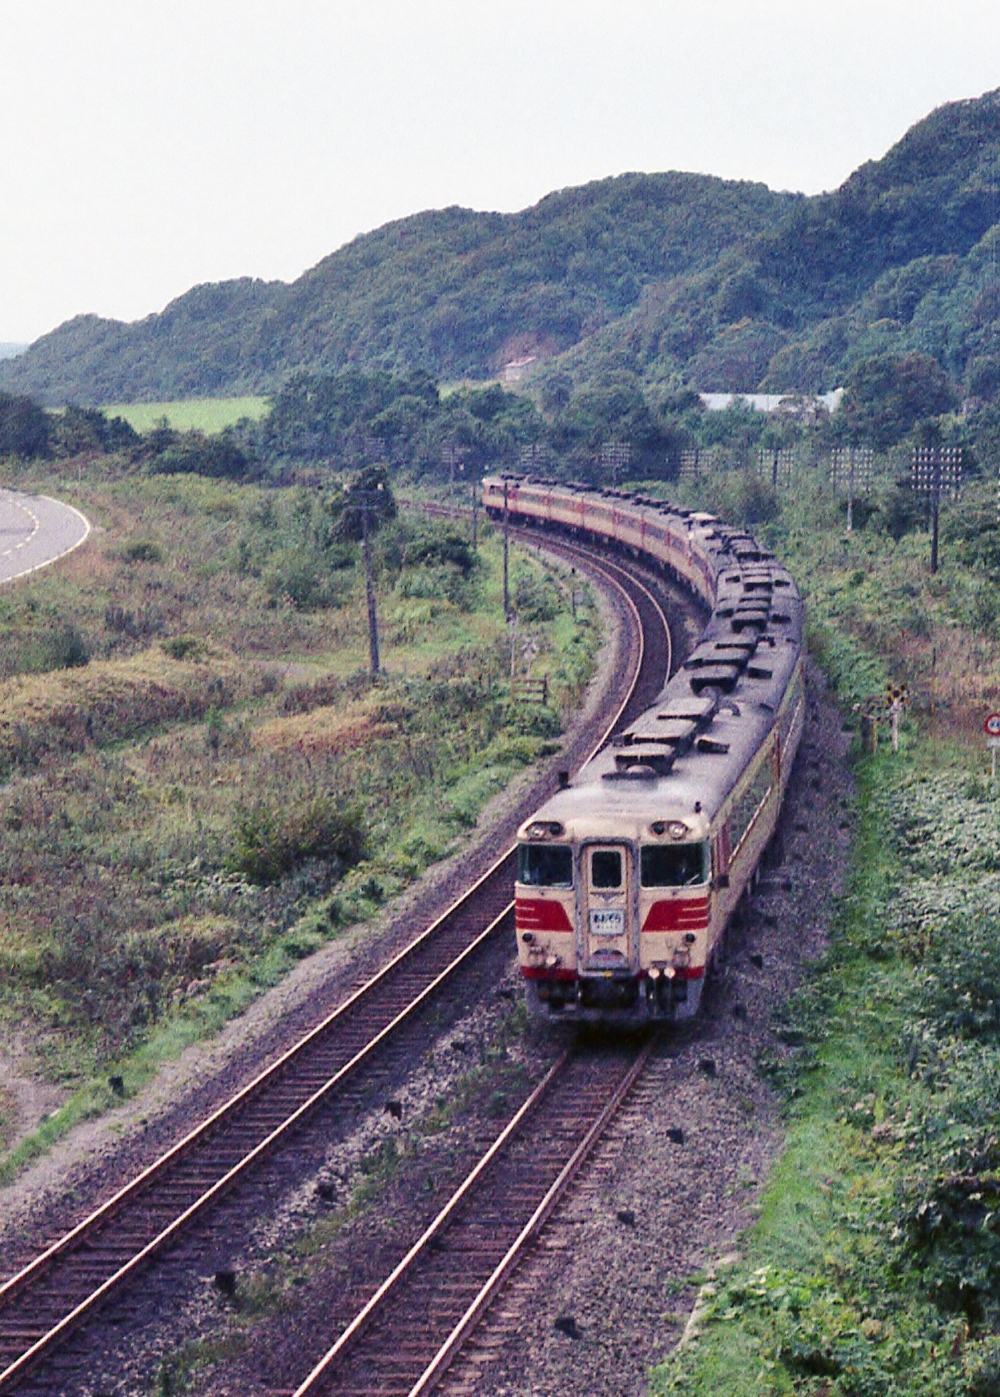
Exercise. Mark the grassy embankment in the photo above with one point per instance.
(874, 1267)
(201, 783)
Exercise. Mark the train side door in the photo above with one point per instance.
(607, 886)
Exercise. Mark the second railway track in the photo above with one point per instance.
(68, 1284)
(406, 1336)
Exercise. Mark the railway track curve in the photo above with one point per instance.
(66, 1286)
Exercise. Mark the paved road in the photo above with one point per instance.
(34, 531)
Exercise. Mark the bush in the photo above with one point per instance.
(194, 453)
(270, 843)
(142, 550)
(183, 647)
(40, 652)
(535, 599)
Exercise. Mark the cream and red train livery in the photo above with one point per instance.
(628, 875)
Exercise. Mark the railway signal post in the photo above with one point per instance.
(992, 729)
(897, 697)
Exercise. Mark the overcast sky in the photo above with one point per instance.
(149, 146)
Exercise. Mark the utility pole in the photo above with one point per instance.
(506, 531)
(475, 502)
(852, 466)
(367, 501)
(615, 456)
(936, 469)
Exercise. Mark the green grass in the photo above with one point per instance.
(874, 1267)
(204, 414)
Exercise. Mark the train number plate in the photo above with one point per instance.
(609, 921)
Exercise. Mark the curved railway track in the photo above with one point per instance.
(64, 1287)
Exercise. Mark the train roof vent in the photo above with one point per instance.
(712, 745)
(745, 617)
(642, 762)
(721, 676)
(692, 709)
(675, 733)
(759, 672)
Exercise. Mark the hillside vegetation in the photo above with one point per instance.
(202, 783)
(452, 292)
(686, 279)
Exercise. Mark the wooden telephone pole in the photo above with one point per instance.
(366, 502)
(937, 470)
(506, 545)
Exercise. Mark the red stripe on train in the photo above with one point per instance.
(538, 914)
(687, 914)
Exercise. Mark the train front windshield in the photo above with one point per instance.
(674, 865)
(545, 865)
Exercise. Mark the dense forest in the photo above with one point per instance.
(688, 280)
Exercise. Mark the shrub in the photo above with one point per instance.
(535, 599)
(270, 843)
(63, 647)
(142, 550)
(183, 647)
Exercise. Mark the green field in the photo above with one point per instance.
(205, 414)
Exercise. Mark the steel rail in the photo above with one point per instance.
(581, 552)
(420, 1245)
(70, 1320)
(16, 1284)
(451, 1346)
(314, 1382)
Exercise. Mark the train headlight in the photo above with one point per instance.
(677, 829)
(544, 829)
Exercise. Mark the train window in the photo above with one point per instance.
(673, 866)
(545, 865)
(605, 868)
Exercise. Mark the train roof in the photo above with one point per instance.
(685, 753)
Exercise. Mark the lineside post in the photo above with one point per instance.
(506, 545)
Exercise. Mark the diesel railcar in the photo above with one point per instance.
(629, 875)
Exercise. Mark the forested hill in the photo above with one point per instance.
(722, 284)
(452, 291)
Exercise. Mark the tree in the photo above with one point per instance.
(79, 429)
(25, 428)
(886, 397)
